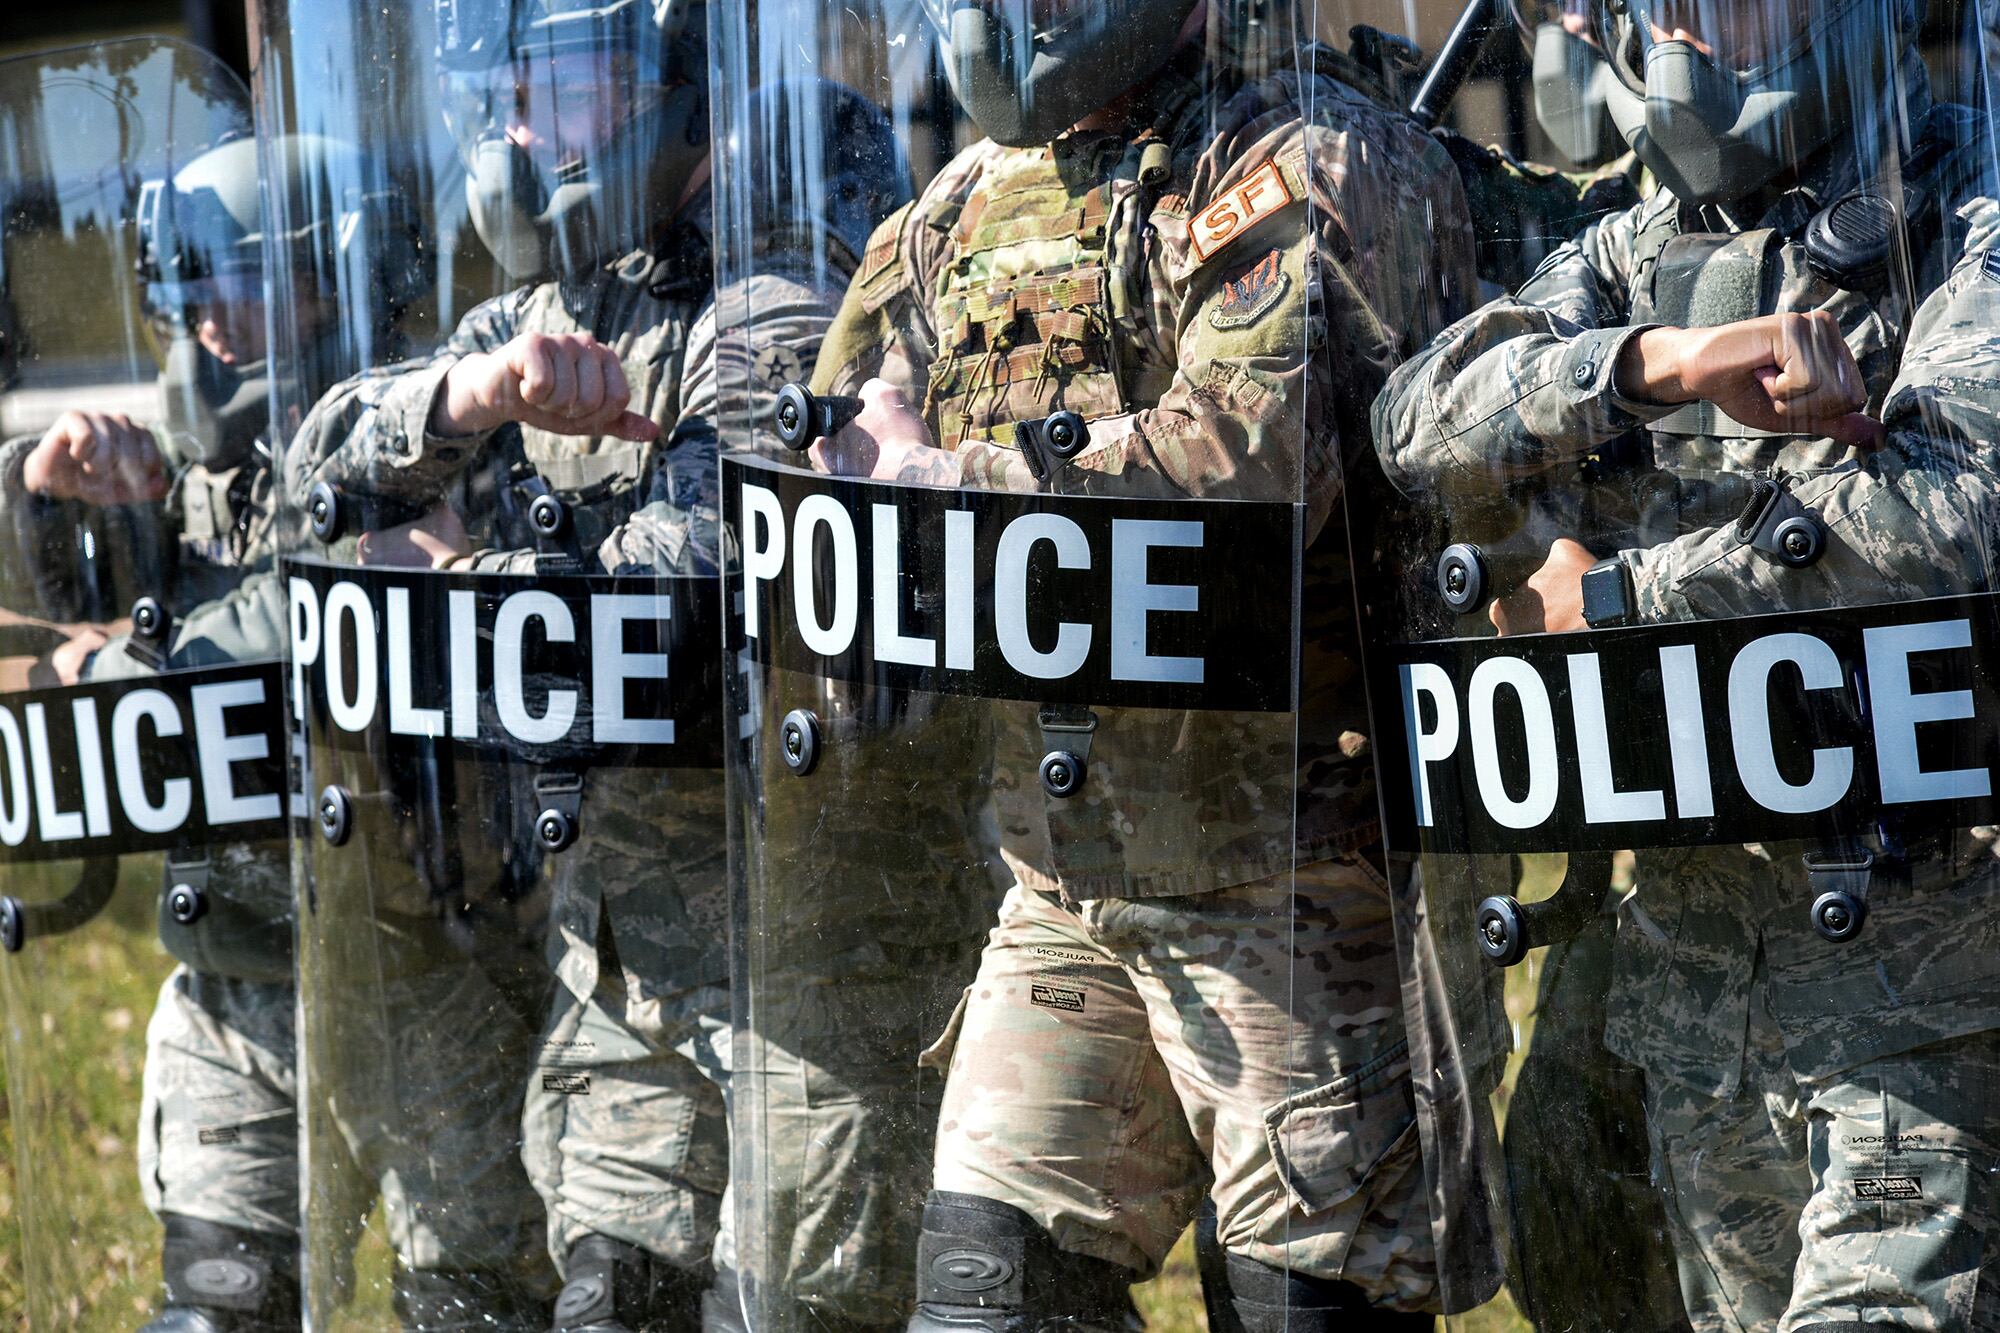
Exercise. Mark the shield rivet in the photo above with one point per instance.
(798, 741)
(336, 815)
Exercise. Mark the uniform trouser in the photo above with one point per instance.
(1868, 1199)
(425, 1096)
(218, 1121)
(1116, 1057)
(625, 1132)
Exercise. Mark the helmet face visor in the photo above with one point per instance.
(562, 109)
(1033, 20)
(224, 313)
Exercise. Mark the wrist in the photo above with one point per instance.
(456, 410)
(1649, 367)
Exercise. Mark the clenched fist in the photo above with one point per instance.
(569, 384)
(100, 458)
(1790, 373)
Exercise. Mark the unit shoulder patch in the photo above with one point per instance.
(1251, 294)
(1264, 193)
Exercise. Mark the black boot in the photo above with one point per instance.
(987, 1267)
(614, 1287)
(224, 1279)
(1245, 1296)
(465, 1300)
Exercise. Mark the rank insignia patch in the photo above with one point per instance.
(1251, 294)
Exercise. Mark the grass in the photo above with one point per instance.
(76, 1011)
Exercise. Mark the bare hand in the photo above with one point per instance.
(887, 441)
(430, 542)
(73, 655)
(570, 384)
(1551, 601)
(1791, 373)
(100, 458)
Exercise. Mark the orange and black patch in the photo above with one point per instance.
(1252, 294)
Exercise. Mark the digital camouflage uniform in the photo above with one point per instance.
(1779, 1067)
(1024, 280)
(635, 1148)
(218, 1130)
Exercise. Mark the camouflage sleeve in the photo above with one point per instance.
(1919, 517)
(1524, 383)
(247, 624)
(881, 330)
(371, 434)
(1522, 210)
(1312, 257)
(748, 343)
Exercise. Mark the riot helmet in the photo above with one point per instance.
(1569, 76)
(1721, 97)
(581, 123)
(1026, 70)
(202, 250)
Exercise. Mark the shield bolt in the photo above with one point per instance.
(323, 512)
(798, 741)
(1800, 542)
(548, 515)
(13, 925)
(336, 815)
(1838, 916)
(1063, 773)
(150, 620)
(187, 904)
(555, 830)
(1461, 577)
(794, 416)
(1503, 930)
(1067, 434)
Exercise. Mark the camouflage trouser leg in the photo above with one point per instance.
(625, 1135)
(1115, 1059)
(218, 1126)
(1869, 1197)
(437, 1127)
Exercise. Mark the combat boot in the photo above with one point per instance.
(987, 1267)
(224, 1279)
(615, 1287)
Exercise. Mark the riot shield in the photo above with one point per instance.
(506, 668)
(143, 834)
(1679, 698)
(1050, 795)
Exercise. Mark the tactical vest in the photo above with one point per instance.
(643, 308)
(1040, 304)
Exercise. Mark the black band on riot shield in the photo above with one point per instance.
(1766, 728)
(586, 669)
(1056, 599)
(186, 759)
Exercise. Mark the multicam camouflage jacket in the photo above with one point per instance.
(1512, 405)
(1218, 294)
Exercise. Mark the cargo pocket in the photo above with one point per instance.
(1330, 1141)
(937, 1055)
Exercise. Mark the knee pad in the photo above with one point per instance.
(224, 1279)
(614, 1286)
(987, 1267)
(447, 1300)
(1245, 1296)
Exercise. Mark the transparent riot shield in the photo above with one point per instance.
(1677, 663)
(146, 927)
(1050, 803)
(506, 666)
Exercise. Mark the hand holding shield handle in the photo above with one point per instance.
(803, 416)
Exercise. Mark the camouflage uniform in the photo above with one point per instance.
(1724, 995)
(218, 1129)
(1026, 280)
(625, 1132)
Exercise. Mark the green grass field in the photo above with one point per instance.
(76, 1011)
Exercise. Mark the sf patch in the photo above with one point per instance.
(1251, 294)
(1263, 193)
